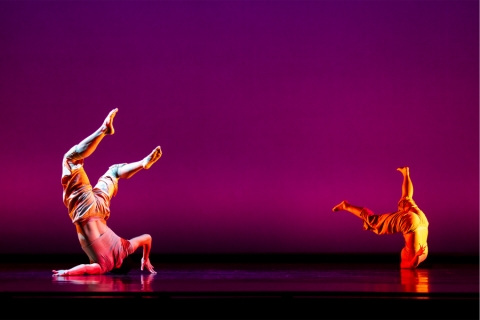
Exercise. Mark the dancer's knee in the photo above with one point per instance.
(113, 171)
(110, 180)
(72, 154)
(365, 213)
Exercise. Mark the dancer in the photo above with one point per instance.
(409, 220)
(89, 208)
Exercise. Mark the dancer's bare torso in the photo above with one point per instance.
(90, 230)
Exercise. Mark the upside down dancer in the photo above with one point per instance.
(408, 220)
(89, 208)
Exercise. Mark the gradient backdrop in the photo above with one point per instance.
(268, 113)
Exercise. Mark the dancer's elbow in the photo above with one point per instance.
(146, 239)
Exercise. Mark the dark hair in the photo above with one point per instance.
(125, 268)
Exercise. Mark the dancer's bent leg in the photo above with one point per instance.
(345, 206)
(128, 170)
(74, 177)
(407, 185)
(108, 183)
(88, 145)
(406, 202)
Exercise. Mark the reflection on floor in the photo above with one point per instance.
(248, 290)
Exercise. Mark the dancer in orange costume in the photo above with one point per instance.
(89, 208)
(408, 220)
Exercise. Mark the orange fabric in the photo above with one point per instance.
(79, 197)
(408, 220)
(399, 221)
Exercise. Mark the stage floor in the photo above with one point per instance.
(248, 290)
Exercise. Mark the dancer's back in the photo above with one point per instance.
(415, 239)
(90, 230)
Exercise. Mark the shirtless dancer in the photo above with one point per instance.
(89, 208)
(409, 220)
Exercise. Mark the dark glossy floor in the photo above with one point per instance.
(247, 290)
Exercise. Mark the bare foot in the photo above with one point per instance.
(152, 158)
(341, 206)
(107, 126)
(403, 170)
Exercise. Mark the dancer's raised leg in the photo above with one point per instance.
(88, 145)
(345, 206)
(128, 170)
(407, 185)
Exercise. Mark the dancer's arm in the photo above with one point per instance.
(412, 264)
(93, 268)
(146, 242)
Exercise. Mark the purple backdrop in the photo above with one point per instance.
(268, 113)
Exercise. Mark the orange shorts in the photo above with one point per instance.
(83, 201)
(407, 219)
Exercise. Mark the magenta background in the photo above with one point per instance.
(269, 113)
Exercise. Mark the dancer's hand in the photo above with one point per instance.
(146, 263)
(58, 273)
(423, 248)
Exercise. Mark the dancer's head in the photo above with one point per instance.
(125, 268)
